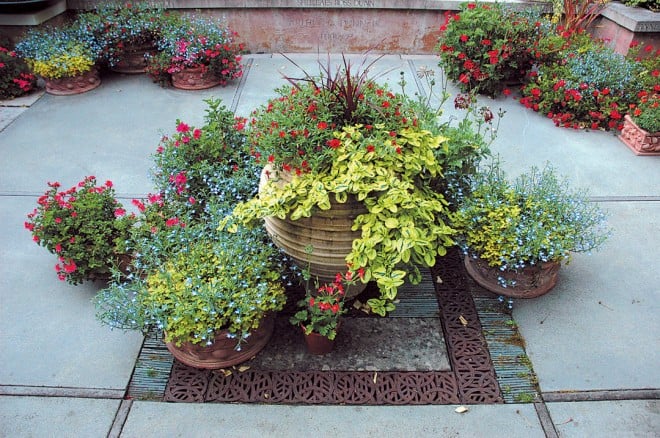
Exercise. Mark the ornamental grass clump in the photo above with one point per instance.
(84, 226)
(61, 52)
(538, 218)
(215, 281)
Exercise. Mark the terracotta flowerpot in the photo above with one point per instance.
(319, 344)
(222, 353)
(132, 60)
(327, 232)
(638, 140)
(532, 282)
(197, 78)
(75, 84)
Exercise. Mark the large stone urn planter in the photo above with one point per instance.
(75, 84)
(638, 140)
(223, 352)
(531, 282)
(320, 242)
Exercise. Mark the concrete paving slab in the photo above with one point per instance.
(598, 161)
(623, 418)
(599, 328)
(192, 420)
(56, 417)
(48, 332)
(109, 132)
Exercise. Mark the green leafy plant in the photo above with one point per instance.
(190, 42)
(215, 281)
(65, 51)
(537, 218)
(321, 311)
(646, 114)
(15, 77)
(589, 87)
(195, 166)
(85, 226)
(391, 173)
(485, 45)
(121, 26)
(653, 5)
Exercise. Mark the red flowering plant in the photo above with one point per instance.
(646, 111)
(588, 87)
(321, 310)
(84, 226)
(199, 173)
(15, 77)
(122, 27)
(485, 45)
(294, 131)
(189, 42)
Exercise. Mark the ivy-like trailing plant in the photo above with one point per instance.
(534, 219)
(391, 173)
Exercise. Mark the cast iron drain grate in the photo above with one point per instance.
(471, 379)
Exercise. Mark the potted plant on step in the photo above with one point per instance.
(65, 57)
(127, 33)
(85, 227)
(319, 316)
(515, 235)
(214, 298)
(197, 53)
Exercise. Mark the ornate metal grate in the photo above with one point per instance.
(471, 379)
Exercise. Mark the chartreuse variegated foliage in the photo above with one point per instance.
(392, 174)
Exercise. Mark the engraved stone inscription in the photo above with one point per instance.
(337, 3)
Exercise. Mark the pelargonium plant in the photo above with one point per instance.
(646, 113)
(15, 77)
(535, 219)
(321, 310)
(195, 166)
(586, 88)
(84, 226)
(54, 53)
(485, 45)
(294, 131)
(191, 42)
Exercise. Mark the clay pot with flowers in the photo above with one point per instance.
(197, 53)
(85, 227)
(65, 57)
(641, 128)
(516, 234)
(127, 33)
(320, 315)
